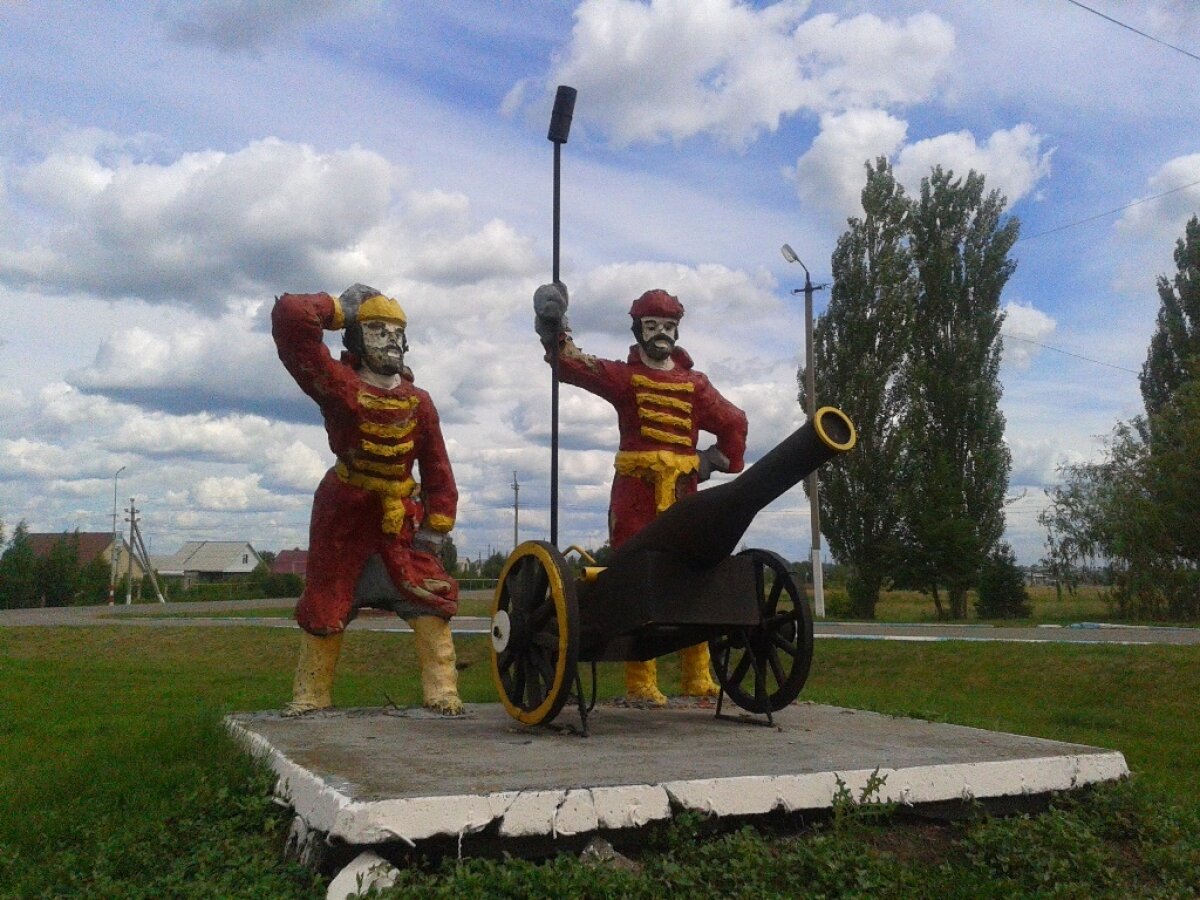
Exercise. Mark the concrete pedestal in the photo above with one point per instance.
(364, 779)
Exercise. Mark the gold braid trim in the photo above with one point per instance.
(439, 522)
(387, 431)
(675, 386)
(391, 493)
(666, 437)
(392, 471)
(661, 468)
(370, 401)
(672, 402)
(387, 449)
(662, 418)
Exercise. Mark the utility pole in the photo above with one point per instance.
(129, 573)
(818, 574)
(137, 547)
(114, 557)
(516, 510)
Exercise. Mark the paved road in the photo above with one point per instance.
(209, 615)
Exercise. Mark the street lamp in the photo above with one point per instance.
(811, 395)
(113, 556)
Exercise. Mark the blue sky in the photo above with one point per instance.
(166, 168)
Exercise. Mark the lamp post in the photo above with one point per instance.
(113, 556)
(811, 396)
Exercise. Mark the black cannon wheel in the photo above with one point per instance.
(535, 633)
(763, 667)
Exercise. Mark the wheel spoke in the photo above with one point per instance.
(776, 666)
(782, 643)
(776, 590)
(517, 694)
(541, 614)
(545, 640)
(743, 664)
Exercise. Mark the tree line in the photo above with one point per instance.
(1134, 510)
(910, 348)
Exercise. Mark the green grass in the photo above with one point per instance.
(116, 780)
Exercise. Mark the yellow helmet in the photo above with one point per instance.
(381, 308)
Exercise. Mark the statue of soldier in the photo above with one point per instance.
(374, 535)
(662, 404)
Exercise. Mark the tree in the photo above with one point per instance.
(859, 345)
(1175, 345)
(1134, 509)
(58, 572)
(18, 571)
(1002, 593)
(448, 554)
(956, 465)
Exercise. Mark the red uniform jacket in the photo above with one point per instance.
(660, 415)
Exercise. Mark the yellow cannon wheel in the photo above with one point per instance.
(535, 633)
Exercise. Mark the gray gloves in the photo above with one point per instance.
(428, 541)
(550, 312)
(352, 298)
(712, 460)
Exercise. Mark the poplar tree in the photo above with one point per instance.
(859, 344)
(956, 464)
(1174, 350)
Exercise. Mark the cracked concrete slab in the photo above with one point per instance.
(370, 777)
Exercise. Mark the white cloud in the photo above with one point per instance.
(668, 70)
(831, 173)
(1024, 328)
(230, 493)
(1162, 219)
(1012, 159)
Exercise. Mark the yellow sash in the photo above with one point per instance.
(661, 468)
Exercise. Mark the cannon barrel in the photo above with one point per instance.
(704, 528)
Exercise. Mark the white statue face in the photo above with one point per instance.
(659, 336)
(383, 347)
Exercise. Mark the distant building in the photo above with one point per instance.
(92, 544)
(290, 562)
(206, 562)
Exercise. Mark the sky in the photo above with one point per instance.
(168, 168)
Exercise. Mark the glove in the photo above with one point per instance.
(550, 311)
(351, 299)
(426, 540)
(712, 460)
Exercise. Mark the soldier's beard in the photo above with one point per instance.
(384, 363)
(659, 347)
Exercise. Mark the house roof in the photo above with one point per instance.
(212, 556)
(91, 543)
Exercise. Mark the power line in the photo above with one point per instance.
(1182, 187)
(1134, 30)
(1069, 353)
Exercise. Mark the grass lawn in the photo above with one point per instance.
(117, 781)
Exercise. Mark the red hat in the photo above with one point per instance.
(657, 303)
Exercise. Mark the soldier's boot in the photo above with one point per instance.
(439, 674)
(696, 676)
(312, 687)
(641, 683)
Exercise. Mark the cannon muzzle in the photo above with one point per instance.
(704, 528)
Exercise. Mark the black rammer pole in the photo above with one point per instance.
(560, 127)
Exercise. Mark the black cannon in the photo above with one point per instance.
(672, 585)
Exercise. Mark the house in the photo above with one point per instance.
(205, 562)
(290, 562)
(92, 544)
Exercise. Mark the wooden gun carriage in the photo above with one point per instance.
(672, 585)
